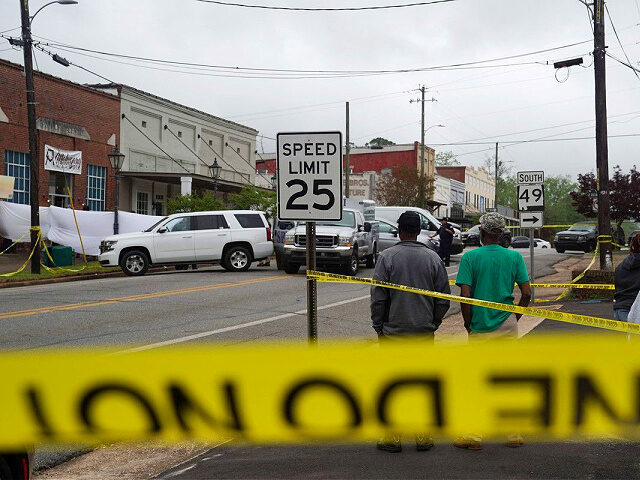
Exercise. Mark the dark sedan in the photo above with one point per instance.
(520, 242)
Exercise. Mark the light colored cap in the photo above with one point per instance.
(492, 223)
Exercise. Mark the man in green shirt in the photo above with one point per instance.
(489, 273)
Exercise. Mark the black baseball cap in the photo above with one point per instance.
(409, 221)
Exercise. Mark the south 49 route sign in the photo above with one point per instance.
(309, 176)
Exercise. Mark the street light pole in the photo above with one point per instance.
(116, 159)
(34, 170)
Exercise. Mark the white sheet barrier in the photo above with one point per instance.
(58, 226)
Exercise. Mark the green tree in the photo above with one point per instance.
(402, 187)
(193, 203)
(507, 195)
(379, 142)
(446, 159)
(253, 198)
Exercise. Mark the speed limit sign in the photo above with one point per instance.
(309, 169)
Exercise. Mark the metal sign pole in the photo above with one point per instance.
(533, 271)
(312, 289)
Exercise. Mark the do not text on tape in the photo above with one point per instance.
(541, 387)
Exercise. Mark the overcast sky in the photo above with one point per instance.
(471, 104)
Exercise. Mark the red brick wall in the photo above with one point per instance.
(57, 99)
(377, 160)
(456, 173)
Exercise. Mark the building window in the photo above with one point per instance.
(179, 134)
(210, 142)
(144, 124)
(58, 193)
(96, 184)
(16, 164)
(142, 203)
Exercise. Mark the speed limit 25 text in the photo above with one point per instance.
(315, 149)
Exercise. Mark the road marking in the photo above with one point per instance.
(194, 458)
(232, 328)
(135, 298)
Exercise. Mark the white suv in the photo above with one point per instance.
(232, 238)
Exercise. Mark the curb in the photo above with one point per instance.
(70, 278)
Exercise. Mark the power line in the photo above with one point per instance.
(619, 41)
(511, 143)
(247, 70)
(326, 9)
(242, 175)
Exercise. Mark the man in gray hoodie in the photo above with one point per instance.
(396, 314)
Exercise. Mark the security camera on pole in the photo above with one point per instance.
(531, 208)
(309, 176)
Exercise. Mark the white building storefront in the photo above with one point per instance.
(164, 141)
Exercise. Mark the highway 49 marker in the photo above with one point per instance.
(309, 169)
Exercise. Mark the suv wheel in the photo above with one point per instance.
(134, 263)
(237, 259)
(559, 250)
(373, 258)
(351, 268)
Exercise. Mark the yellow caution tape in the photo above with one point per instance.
(585, 320)
(544, 387)
(14, 243)
(589, 286)
(57, 269)
(544, 226)
(24, 265)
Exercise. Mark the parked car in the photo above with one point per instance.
(521, 242)
(344, 243)
(472, 237)
(232, 238)
(389, 236)
(540, 243)
(429, 224)
(578, 237)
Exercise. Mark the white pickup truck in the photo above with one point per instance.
(232, 238)
(344, 243)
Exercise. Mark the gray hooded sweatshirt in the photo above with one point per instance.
(394, 312)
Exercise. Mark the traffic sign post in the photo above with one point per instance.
(309, 172)
(530, 191)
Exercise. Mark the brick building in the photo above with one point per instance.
(70, 117)
(379, 160)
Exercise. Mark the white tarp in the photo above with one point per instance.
(58, 226)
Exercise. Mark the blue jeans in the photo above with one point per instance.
(621, 315)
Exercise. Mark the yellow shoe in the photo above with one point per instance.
(515, 441)
(470, 443)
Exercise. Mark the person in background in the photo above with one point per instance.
(627, 281)
(446, 239)
(400, 315)
(489, 273)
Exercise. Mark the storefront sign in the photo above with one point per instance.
(62, 160)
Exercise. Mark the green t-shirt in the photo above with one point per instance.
(491, 272)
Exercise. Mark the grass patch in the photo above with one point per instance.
(91, 267)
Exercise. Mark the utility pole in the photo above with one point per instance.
(421, 185)
(34, 184)
(347, 170)
(602, 149)
(421, 192)
(495, 195)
